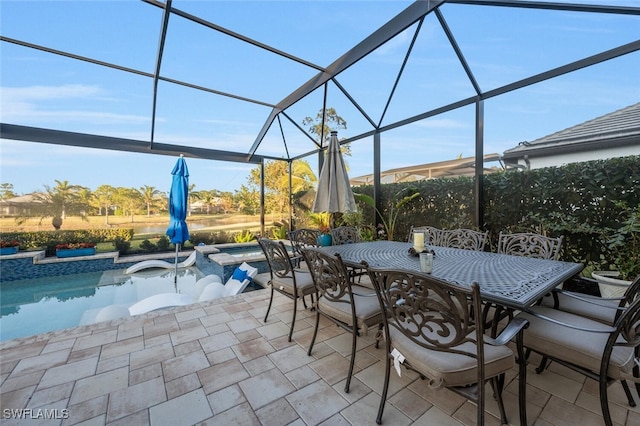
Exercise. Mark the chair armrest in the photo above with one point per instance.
(594, 300)
(363, 295)
(295, 260)
(604, 329)
(514, 327)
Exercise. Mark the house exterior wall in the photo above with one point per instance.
(557, 160)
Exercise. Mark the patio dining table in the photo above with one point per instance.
(515, 282)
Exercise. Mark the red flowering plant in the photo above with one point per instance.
(71, 246)
(12, 243)
(324, 229)
(322, 221)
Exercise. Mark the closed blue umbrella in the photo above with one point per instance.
(178, 231)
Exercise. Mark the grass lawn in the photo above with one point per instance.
(229, 223)
(213, 222)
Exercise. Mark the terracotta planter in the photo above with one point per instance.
(610, 286)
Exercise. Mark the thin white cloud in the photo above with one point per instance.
(48, 92)
(29, 105)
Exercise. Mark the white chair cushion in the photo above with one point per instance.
(447, 369)
(603, 310)
(579, 347)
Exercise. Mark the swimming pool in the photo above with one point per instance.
(40, 305)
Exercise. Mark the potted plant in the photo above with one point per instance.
(398, 201)
(9, 247)
(75, 249)
(323, 222)
(624, 243)
(325, 239)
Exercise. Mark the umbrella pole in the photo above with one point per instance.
(175, 277)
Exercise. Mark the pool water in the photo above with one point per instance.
(34, 306)
(242, 250)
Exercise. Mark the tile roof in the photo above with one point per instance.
(616, 128)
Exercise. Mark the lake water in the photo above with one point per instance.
(154, 229)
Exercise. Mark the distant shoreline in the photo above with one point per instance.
(213, 222)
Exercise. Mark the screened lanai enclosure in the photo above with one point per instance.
(233, 82)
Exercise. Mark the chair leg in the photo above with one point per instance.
(604, 402)
(269, 307)
(354, 342)
(497, 385)
(379, 334)
(627, 392)
(315, 332)
(522, 379)
(385, 386)
(293, 320)
(543, 364)
(636, 369)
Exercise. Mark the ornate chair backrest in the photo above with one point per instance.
(627, 326)
(631, 294)
(431, 313)
(530, 245)
(277, 258)
(432, 236)
(302, 238)
(330, 276)
(466, 239)
(345, 235)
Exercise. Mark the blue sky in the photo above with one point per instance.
(500, 44)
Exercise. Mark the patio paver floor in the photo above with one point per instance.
(218, 363)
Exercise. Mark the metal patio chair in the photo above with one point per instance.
(466, 239)
(606, 311)
(530, 245)
(347, 305)
(345, 235)
(605, 353)
(429, 328)
(303, 238)
(522, 244)
(285, 278)
(432, 236)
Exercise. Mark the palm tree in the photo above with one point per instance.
(150, 196)
(56, 203)
(193, 195)
(130, 200)
(104, 196)
(209, 198)
(6, 191)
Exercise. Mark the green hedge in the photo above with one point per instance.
(48, 240)
(586, 202)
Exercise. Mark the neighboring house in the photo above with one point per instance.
(616, 134)
(18, 205)
(449, 168)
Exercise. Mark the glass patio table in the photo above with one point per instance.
(514, 282)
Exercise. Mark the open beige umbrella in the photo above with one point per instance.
(334, 193)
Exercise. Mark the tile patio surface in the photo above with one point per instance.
(218, 363)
